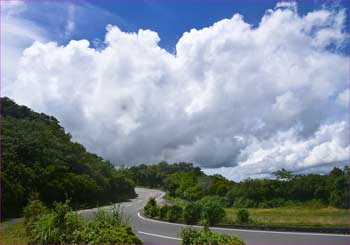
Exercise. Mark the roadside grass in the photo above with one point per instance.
(13, 234)
(295, 216)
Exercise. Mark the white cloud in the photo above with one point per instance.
(250, 99)
(17, 33)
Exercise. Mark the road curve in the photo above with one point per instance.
(159, 232)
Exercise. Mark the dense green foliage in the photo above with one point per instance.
(38, 156)
(191, 213)
(209, 211)
(205, 236)
(174, 213)
(212, 210)
(151, 208)
(60, 225)
(189, 183)
(243, 216)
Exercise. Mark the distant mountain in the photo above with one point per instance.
(38, 156)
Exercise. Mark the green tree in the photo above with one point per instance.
(191, 213)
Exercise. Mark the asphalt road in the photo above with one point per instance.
(159, 232)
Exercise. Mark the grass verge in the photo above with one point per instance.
(13, 234)
(287, 216)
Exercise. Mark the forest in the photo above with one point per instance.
(39, 157)
(187, 182)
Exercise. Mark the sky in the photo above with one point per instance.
(239, 88)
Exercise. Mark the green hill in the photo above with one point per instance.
(37, 155)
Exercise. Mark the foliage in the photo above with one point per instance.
(32, 211)
(108, 227)
(174, 213)
(243, 216)
(39, 156)
(184, 181)
(191, 213)
(212, 211)
(151, 209)
(163, 212)
(56, 226)
(60, 225)
(205, 236)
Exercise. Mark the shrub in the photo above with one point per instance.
(174, 213)
(98, 233)
(151, 208)
(213, 212)
(115, 216)
(205, 236)
(108, 227)
(32, 212)
(63, 226)
(56, 226)
(163, 211)
(191, 213)
(242, 216)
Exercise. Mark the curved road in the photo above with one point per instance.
(159, 232)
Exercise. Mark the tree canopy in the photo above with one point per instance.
(39, 156)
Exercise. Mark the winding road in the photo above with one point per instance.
(159, 232)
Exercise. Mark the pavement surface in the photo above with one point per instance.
(159, 232)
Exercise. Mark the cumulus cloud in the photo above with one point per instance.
(234, 99)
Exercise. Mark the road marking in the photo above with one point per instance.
(256, 231)
(151, 234)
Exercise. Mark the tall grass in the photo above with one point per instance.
(295, 216)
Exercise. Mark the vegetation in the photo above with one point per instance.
(186, 182)
(294, 216)
(151, 208)
(39, 156)
(208, 211)
(13, 234)
(60, 225)
(205, 236)
(191, 213)
(242, 216)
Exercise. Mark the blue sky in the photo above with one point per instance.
(240, 88)
(170, 19)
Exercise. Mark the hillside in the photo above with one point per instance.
(38, 156)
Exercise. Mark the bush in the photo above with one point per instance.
(32, 212)
(151, 208)
(108, 227)
(56, 226)
(163, 212)
(174, 213)
(63, 226)
(242, 216)
(96, 233)
(213, 212)
(205, 236)
(191, 213)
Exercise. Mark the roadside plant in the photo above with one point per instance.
(190, 235)
(151, 209)
(191, 213)
(174, 213)
(213, 212)
(32, 212)
(163, 211)
(243, 216)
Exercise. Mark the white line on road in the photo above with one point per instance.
(256, 231)
(151, 234)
